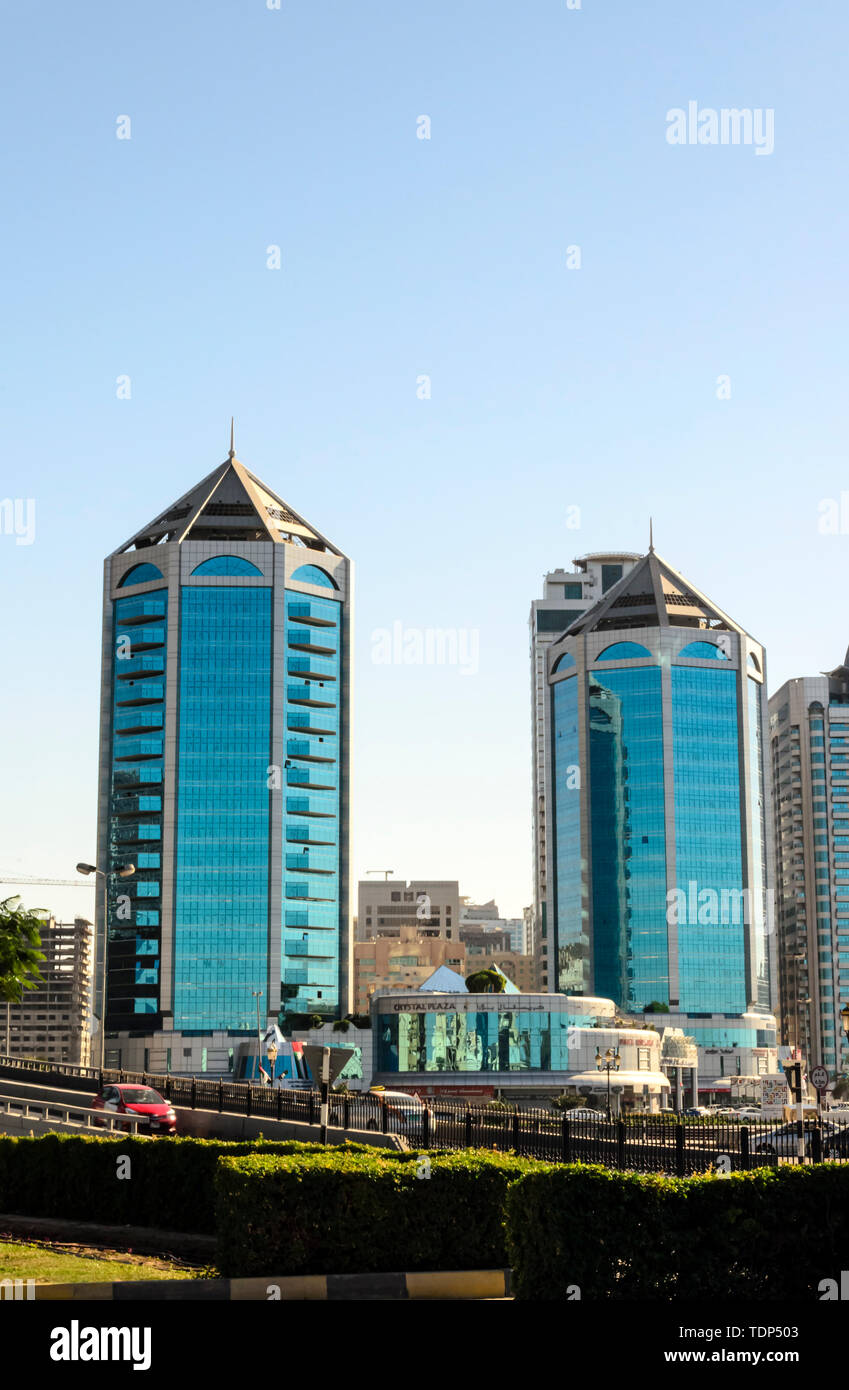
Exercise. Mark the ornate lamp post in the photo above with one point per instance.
(611, 1061)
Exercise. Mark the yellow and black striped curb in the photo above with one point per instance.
(443, 1284)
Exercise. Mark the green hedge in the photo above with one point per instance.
(363, 1213)
(773, 1233)
(170, 1183)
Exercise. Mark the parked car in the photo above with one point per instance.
(696, 1110)
(836, 1144)
(584, 1112)
(404, 1113)
(158, 1113)
(782, 1141)
(748, 1112)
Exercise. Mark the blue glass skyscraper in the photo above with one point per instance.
(657, 800)
(225, 731)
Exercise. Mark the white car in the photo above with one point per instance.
(583, 1112)
(398, 1112)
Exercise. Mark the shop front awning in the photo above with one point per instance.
(640, 1080)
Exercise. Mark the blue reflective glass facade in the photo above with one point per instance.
(311, 821)
(225, 696)
(708, 839)
(628, 833)
(139, 625)
(222, 845)
(658, 883)
(762, 926)
(573, 961)
(487, 1041)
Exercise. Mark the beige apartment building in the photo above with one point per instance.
(401, 962)
(432, 906)
(53, 1021)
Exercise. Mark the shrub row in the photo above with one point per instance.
(363, 1213)
(76, 1177)
(773, 1233)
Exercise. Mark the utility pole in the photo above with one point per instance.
(257, 994)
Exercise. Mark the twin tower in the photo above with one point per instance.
(224, 756)
(224, 779)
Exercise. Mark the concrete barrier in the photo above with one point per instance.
(209, 1124)
(443, 1285)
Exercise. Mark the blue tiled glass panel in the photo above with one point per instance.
(140, 574)
(624, 651)
(311, 574)
(572, 953)
(227, 565)
(706, 651)
(221, 898)
(628, 828)
(310, 919)
(708, 853)
(563, 662)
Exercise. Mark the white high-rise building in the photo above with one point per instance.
(809, 748)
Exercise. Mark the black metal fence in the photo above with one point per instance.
(645, 1143)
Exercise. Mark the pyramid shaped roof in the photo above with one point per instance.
(444, 981)
(653, 594)
(229, 504)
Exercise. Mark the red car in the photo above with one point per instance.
(138, 1100)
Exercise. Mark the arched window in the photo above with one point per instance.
(753, 663)
(624, 651)
(232, 565)
(140, 574)
(563, 662)
(311, 574)
(703, 650)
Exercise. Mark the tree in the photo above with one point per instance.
(20, 956)
(568, 1100)
(489, 981)
(655, 1007)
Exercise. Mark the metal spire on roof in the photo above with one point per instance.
(651, 538)
(232, 443)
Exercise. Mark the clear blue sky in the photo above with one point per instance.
(551, 388)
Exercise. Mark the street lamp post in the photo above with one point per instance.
(611, 1061)
(257, 994)
(798, 960)
(125, 871)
